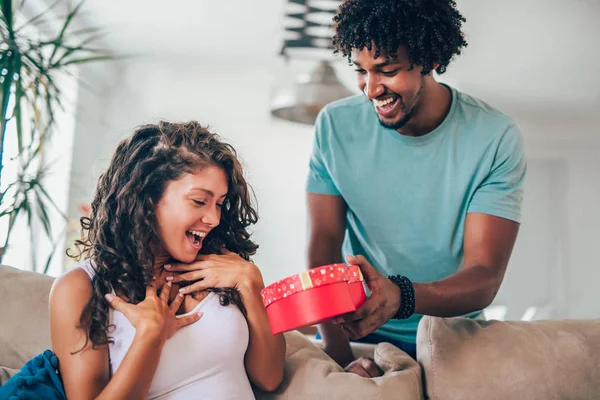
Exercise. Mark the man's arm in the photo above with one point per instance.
(488, 244)
(326, 227)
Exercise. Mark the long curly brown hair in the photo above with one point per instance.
(118, 235)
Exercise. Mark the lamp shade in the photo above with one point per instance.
(303, 101)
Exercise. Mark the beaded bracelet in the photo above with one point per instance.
(407, 296)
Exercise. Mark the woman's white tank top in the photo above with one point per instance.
(204, 360)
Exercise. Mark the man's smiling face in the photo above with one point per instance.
(392, 88)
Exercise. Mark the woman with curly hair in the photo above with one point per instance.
(418, 183)
(120, 326)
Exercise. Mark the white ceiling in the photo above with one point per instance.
(184, 27)
(539, 53)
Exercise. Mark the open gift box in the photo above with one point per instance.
(313, 296)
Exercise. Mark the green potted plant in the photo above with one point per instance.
(30, 64)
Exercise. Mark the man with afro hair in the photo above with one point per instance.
(414, 181)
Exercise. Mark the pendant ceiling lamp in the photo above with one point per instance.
(309, 28)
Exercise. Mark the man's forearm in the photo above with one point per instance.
(469, 290)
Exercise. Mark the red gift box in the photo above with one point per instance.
(313, 296)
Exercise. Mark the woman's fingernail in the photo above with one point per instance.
(182, 290)
(200, 314)
(169, 278)
(180, 294)
(168, 266)
(169, 284)
(109, 297)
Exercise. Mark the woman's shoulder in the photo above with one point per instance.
(73, 287)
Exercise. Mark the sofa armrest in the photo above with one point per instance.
(473, 360)
(22, 294)
(6, 373)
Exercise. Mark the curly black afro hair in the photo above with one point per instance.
(430, 29)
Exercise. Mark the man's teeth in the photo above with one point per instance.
(381, 103)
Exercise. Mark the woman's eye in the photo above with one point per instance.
(360, 71)
(200, 203)
(219, 205)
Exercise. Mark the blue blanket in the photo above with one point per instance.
(38, 379)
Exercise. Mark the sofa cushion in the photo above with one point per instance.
(311, 374)
(551, 360)
(25, 324)
(6, 374)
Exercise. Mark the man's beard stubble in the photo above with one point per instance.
(408, 113)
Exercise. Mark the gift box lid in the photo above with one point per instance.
(313, 278)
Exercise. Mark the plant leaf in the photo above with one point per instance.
(88, 59)
(43, 216)
(53, 250)
(7, 14)
(37, 18)
(17, 111)
(66, 24)
(51, 200)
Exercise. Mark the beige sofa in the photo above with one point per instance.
(458, 358)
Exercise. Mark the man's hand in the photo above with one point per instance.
(379, 308)
(364, 367)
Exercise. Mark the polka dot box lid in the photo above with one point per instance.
(313, 278)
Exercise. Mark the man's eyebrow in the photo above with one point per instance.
(381, 64)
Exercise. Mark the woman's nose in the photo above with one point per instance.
(212, 216)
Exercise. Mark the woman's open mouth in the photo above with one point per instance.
(195, 238)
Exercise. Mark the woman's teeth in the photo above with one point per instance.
(197, 235)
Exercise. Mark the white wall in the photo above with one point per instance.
(233, 97)
(574, 142)
(559, 234)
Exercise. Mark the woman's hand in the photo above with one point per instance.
(225, 270)
(154, 316)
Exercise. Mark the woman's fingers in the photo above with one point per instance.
(118, 304)
(176, 303)
(179, 267)
(165, 292)
(188, 276)
(197, 286)
(188, 319)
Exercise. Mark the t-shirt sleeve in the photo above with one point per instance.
(319, 178)
(501, 192)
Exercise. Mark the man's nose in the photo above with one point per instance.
(373, 87)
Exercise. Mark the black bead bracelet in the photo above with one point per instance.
(407, 296)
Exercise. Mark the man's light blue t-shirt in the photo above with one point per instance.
(407, 196)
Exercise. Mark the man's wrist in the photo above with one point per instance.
(407, 296)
